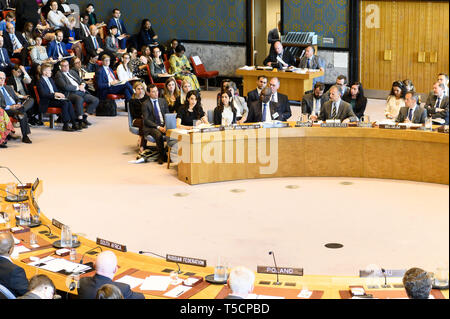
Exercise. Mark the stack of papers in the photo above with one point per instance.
(130, 280)
(159, 283)
(18, 249)
(247, 68)
(58, 264)
(177, 291)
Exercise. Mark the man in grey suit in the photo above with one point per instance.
(10, 102)
(336, 108)
(312, 102)
(73, 87)
(153, 111)
(437, 102)
(412, 112)
(311, 61)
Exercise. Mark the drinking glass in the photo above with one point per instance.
(428, 124)
(66, 236)
(33, 239)
(441, 276)
(174, 277)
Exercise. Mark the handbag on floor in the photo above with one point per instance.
(106, 108)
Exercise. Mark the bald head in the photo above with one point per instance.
(93, 29)
(6, 244)
(106, 264)
(10, 27)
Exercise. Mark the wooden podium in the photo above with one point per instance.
(292, 84)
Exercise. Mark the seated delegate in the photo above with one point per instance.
(191, 112)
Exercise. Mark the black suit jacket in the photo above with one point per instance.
(252, 96)
(283, 108)
(218, 116)
(345, 111)
(13, 277)
(360, 105)
(287, 58)
(63, 83)
(308, 102)
(431, 102)
(11, 93)
(419, 115)
(8, 43)
(148, 114)
(44, 93)
(89, 286)
(90, 47)
(255, 111)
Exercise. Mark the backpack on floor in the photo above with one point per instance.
(106, 108)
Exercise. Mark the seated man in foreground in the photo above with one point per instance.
(417, 283)
(241, 282)
(336, 108)
(412, 112)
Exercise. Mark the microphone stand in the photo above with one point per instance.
(81, 260)
(385, 279)
(275, 262)
(160, 256)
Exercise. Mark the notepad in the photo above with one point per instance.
(20, 249)
(133, 282)
(159, 283)
(177, 291)
(305, 294)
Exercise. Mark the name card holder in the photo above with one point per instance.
(379, 273)
(211, 129)
(392, 127)
(279, 270)
(365, 125)
(186, 260)
(57, 224)
(333, 125)
(303, 124)
(112, 245)
(247, 127)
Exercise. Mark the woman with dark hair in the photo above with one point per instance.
(147, 35)
(171, 94)
(356, 99)
(191, 112)
(225, 112)
(395, 100)
(238, 102)
(157, 67)
(180, 66)
(138, 64)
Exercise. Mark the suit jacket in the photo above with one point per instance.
(45, 94)
(84, 33)
(315, 63)
(11, 82)
(90, 47)
(66, 34)
(287, 58)
(13, 277)
(308, 102)
(360, 105)
(345, 111)
(6, 58)
(8, 45)
(149, 115)
(252, 96)
(110, 45)
(255, 111)
(63, 83)
(11, 93)
(52, 50)
(431, 101)
(102, 82)
(112, 22)
(419, 115)
(89, 286)
(283, 108)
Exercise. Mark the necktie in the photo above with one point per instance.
(49, 85)
(60, 50)
(333, 112)
(111, 74)
(119, 27)
(308, 64)
(2, 61)
(156, 112)
(438, 102)
(15, 45)
(8, 99)
(95, 43)
(410, 114)
(263, 119)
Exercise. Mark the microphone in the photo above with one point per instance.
(12, 173)
(49, 230)
(275, 262)
(385, 279)
(81, 260)
(149, 252)
(14, 198)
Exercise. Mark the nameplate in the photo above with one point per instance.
(110, 244)
(280, 270)
(57, 224)
(392, 127)
(333, 125)
(379, 273)
(247, 127)
(35, 184)
(366, 125)
(303, 124)
(186, 260)
(23, 186)
(211, 129)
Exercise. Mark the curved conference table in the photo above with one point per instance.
(300, 151)
(404, 154)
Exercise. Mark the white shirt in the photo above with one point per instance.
(123, 74)
(54, 19)
(227, 115)
(268, 115)
(71, 80)
(7, 258)
(161, 119)
(108, 73)
(316, 106)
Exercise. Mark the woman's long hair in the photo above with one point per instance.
(198, 106)
(176, 93)
(221, 106)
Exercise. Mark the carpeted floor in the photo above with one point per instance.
(89, 185)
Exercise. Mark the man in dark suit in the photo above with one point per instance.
(57, 48)
(153, 111)
(280, 58)
(106, 267)
(283, 109)
(72, 86)
(84, 26)
(341, 83)
(262, 110)
(94, 44)
(14, 108)
(311, 61)
(437, 102)
(50, 97)
(336, 108)
(312, 102)
(15, 44)
(241, 283)
(121, 29)
(5, 63)
(11, 276)
(107, 83)
(253, 96)
(412, 112)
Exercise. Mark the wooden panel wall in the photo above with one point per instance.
(404, 29)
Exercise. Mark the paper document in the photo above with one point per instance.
(159, 283)
(255, 296)
(196, 60)
(247, 68)
(440, 121)
(2, 220)
(281, 61)
(305, 294)
(75, 41)
(20, 249)
(120, 83)
(59, 264)
(130, 280)
(177, 291)
(89, 75)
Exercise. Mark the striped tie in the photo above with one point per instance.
(333, 112)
